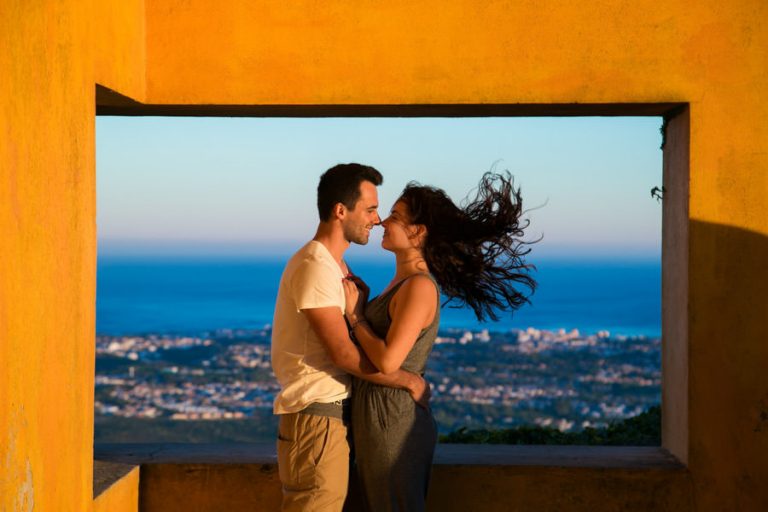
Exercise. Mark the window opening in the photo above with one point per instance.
(197, 216)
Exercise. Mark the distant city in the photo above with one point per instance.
(480, 379)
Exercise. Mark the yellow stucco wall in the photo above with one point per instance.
(710, 54)
(121, 496)
(50, 54)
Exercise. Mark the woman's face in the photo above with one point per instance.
(399, 233)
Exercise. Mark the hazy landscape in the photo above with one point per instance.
(219, 387)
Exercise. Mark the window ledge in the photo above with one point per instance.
(607, 457)
(108, 473)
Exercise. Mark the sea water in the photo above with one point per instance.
(142, 295)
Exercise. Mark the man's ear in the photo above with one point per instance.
(339, 211)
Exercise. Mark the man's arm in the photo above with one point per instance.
(330, 327)
(412, 309)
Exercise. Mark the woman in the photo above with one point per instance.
(471, 254)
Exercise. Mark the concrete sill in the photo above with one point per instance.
(106, 474)
(491, 478)
(595, 457)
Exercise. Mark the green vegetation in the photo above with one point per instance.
(641, 430)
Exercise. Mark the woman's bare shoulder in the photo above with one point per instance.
(417, 286)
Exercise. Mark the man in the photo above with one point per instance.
(312, 353)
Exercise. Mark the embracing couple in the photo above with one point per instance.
(346, 363)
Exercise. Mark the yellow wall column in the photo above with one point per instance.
(48, 70)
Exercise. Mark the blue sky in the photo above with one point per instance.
(246, 186)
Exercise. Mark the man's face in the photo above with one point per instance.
(359, 221)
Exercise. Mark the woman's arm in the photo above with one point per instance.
(412, 309)
(332, 331)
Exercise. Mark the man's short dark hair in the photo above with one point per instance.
(341, 184)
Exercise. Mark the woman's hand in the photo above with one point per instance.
(355, 298)
(364, 290)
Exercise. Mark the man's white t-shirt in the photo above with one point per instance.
(311, 279)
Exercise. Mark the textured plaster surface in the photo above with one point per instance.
(711, 55)
(116, 487)
(213, 477)
(598, 457)
(48, 70)
(674, 283)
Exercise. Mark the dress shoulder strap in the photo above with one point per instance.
(397, 285)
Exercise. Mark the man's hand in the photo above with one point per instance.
(420, 391)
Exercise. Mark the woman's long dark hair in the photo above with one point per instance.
(475, 252)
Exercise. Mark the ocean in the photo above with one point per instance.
(190, 296)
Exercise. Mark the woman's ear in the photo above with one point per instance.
(419, 234)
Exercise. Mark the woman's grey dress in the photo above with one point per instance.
(394, 439)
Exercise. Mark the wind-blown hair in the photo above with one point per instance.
(475, 252)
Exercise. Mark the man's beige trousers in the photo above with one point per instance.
(313, 462)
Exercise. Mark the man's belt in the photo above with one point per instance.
(337, 409)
